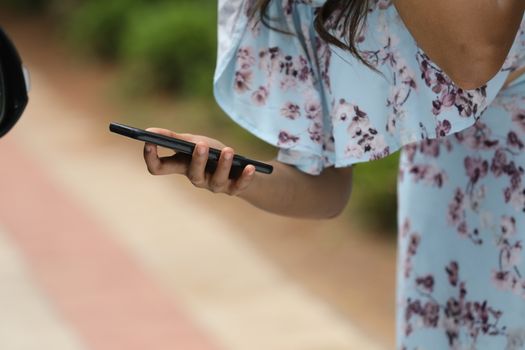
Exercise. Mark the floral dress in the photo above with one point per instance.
(461, 190)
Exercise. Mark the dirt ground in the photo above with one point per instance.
(350, 270)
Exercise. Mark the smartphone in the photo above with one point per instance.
(185, 147)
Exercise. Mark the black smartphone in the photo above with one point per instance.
(185, 147)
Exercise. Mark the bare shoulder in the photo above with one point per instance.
(469, 39)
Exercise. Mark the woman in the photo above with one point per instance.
(333, 83)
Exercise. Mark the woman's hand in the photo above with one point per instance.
(287, 191)
(194, 167)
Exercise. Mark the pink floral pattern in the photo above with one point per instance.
(461, 276)
(473, 291)
(324, 95)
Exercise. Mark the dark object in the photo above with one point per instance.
(14, 84)
(185, 147)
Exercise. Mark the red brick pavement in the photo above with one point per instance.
(94, 283)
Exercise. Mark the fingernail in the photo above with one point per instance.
(201, 150)
(228, 156)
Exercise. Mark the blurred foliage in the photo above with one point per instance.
(96, 27)
(163, 45)
(374, 194)
(170, 46)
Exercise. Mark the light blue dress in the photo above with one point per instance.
(461, 272)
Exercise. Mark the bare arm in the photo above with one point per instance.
(287, 191)
(293, 193)
(468, 39)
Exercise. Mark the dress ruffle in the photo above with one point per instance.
(322, 107)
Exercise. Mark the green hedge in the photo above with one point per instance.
(172, 46)
(96, 27)
(163, 45)
(374, 197)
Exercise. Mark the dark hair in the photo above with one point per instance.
(346, 16)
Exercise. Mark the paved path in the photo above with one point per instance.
(25, 307)
(96, 254)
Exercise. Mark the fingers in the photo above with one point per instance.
(194, 166)
(156, 165)
(219, 181)
(197, 167)
(243, 181)
(151, 158)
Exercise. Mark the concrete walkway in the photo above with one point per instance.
(25, 308)
(97, 254)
